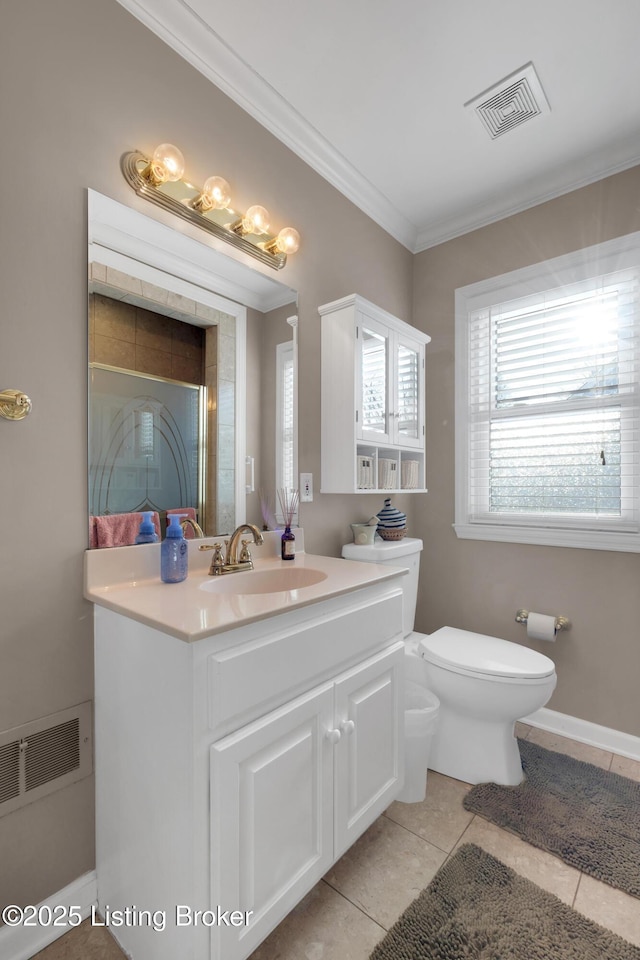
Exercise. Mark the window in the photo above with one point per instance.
(547, 400)
(285, 420)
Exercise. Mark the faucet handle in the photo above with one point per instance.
(245, 555)
(217, 560)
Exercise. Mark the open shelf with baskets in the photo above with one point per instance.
(379, 469)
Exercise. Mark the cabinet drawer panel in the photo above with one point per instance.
(247, 681)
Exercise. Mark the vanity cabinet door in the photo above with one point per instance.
(271, 817)
(369, 757)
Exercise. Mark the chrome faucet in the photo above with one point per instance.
(197, 529)
(232, 563)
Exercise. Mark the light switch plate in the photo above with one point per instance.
(306, 487)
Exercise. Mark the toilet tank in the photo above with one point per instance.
(397, 553)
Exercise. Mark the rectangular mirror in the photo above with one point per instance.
(183, 345)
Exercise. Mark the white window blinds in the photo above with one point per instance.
(285, 425)
(552, 407)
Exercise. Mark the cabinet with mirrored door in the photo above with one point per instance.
(373, 384)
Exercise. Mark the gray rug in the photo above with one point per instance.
(476, 908)
(588, 817)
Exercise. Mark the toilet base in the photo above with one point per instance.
(475, 751)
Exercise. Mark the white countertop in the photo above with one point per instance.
(127, 581)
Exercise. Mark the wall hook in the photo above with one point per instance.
(14, 405)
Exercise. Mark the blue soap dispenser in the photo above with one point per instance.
(174, 557)
(147, 532)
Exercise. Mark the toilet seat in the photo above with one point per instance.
(476, 654)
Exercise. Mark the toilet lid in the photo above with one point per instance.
(474, 652)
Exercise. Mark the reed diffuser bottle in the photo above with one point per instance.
(288, 504)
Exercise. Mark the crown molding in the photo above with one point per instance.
(493, 212)
(194, 40)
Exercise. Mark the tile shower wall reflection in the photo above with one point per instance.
(134, 338)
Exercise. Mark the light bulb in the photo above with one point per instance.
(216, 195)
(167, 165)
(255, 220)
(287, 241)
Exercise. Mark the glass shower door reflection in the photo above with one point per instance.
(146, 436)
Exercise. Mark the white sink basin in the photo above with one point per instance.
(264, 581)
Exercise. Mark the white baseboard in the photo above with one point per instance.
(624, 744)
(20, 942)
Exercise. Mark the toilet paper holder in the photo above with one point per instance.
(562, 623)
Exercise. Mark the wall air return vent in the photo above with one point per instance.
(44, 755)
(511, 102)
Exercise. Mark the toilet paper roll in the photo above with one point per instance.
(541, 627)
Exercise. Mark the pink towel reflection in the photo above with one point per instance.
(117, 529)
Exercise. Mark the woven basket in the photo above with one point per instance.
(387, 473)
(409, 474)
(364, 473)
(391, 533)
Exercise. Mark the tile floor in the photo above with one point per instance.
(350, 910)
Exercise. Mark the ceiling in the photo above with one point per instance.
(372, 94)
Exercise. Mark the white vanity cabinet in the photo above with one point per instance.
(234, 770)
(373, 399)
(302, 783)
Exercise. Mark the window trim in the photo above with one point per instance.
(576, 267)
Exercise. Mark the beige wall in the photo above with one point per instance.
(88, 83)
(479, 585)
(83, 82)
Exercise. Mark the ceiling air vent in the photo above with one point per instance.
(44, 755)
(511, 102)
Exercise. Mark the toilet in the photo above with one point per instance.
(484, 684)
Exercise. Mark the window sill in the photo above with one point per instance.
(548, 537)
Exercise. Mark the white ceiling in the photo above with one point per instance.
(371, 94)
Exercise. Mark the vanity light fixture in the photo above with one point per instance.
(160, 179)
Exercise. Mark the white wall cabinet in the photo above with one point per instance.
(233, 771)
(373, 399)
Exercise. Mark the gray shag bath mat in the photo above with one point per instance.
(476, 908)
(588, 817)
